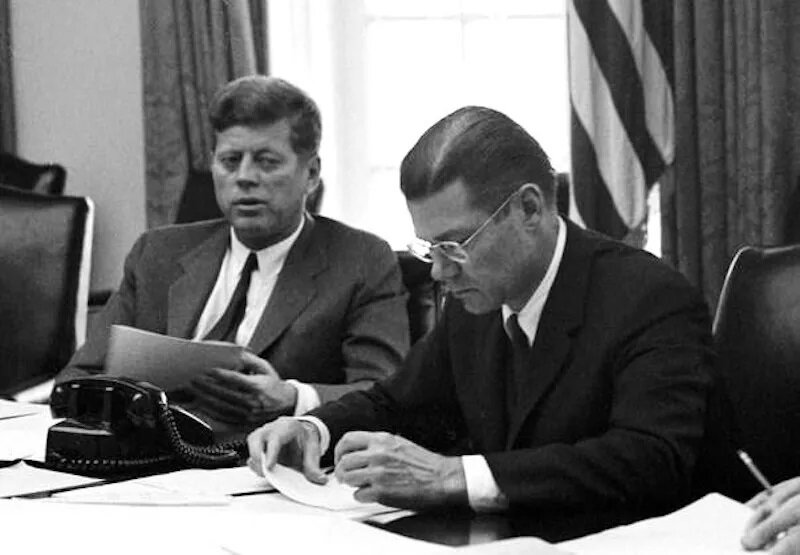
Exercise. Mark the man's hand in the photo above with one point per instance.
(252, 393)
(774, 524)
(291, 442)
(394, 471)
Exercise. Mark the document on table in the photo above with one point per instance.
(513, 546)
(219, 481)
(712, 525)
(333, 495)
(22, 479)
(138, 493)
(167, 362)
(43, 526)
(14, 409)
(329, 534)
(193, 486)
(25, 437)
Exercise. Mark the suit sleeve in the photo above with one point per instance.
(418, 402)
(375, 338)
(659, 372)
(120, 309)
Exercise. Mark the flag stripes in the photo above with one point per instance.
(622, 106)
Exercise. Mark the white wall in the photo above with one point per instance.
(78, 94)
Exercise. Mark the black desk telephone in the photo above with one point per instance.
(117, 425)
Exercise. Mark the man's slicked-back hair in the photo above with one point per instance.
(256, 100)
(486, 149)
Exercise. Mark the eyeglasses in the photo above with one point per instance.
(452, 250)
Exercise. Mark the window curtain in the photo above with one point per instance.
(8, 135)
(737, 131)
(189, 49)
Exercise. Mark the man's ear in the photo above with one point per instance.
(313, 167)
(533, 204)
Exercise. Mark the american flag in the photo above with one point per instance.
(621, 91)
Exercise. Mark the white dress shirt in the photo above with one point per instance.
(482, 490)
(262, 283)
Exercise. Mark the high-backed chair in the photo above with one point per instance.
(756, 405)
(45, 252)
(40, 178)
(424, 295)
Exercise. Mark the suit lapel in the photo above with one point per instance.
(295, 288)
(189, 293)
(562, 315)
(479, 378)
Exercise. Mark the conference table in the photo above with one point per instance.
(450, 528)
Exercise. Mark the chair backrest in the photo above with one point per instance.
(45, 253)
(791, 222)
(424, 295)
(198, 201)
(40, 178)
(757, 402)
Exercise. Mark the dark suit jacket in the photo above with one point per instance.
(336, 318)
(614, 401)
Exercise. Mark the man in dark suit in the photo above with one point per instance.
(320, 306)
(570, 369)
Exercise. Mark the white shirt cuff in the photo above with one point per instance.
(324, 433)
(307, 397)
(482, 490)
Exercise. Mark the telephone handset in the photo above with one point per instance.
(117, 425)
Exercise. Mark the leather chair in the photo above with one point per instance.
(756, 404)
(40, 178)
(45, 252)
(424, 295)
(791, 222)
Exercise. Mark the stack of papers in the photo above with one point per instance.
(712, 525)
(14, 409)
(25, 437)
(23, 479)
(184, 487)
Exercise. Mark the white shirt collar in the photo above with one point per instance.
(270, 257)
(528, 317)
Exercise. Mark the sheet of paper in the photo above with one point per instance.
(192, 486)
(25, 437)
(512, 546)
(712, 525)
(137, 493)
(14, 409)
(22, 479)
(167, 362)
(219, 481)
(333, 495)
(329, 535)
(43, 526)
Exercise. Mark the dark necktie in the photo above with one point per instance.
(226, 327)
(520, 362)
(519, 341)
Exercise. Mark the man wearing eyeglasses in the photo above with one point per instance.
(569, 371)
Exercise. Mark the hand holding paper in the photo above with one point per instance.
(394, 471)
(291, 441)
(251, 392)
(167, 362)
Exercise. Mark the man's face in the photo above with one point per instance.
(260, 182)
(494, 272)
